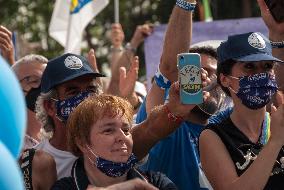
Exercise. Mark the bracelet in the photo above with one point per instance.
(161, 80)
(114, 49)
(277, 44)
(129, 47)
(186, 5)
(172, 117)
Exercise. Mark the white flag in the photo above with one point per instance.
(69, 20)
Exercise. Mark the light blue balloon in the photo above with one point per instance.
(10, 174)
(12, 110)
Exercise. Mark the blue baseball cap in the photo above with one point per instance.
(65, 68)
(252, 46)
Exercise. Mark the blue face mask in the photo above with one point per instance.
(113, 169)
(256, 90)
(65, 107)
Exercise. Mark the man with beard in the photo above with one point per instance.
(177, 154)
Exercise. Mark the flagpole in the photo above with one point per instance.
(116, 11)
(68, 33)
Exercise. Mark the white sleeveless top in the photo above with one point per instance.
(64, 160)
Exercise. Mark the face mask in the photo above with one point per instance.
(256, 90)
(113, 169)
(31, 98)
(65, 107)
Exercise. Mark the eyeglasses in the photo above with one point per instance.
(29, 82)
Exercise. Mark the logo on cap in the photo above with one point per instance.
(256, 41)
(73, 62)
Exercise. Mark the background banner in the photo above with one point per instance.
(202, 31)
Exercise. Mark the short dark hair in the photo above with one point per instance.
(207, 50)
(226, 69)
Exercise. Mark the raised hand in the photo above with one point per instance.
(117, 35)
(127, 79)
(274, 27)
(277, 120)
(93, 62)
(175, 105)
(141, 32)
(6, 45)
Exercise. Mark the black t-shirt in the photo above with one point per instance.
(240, 148)
(79, 179)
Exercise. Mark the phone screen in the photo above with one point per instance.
(276, 8)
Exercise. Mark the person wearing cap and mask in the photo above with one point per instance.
(29, 71)
(66, 82)
(241, 142)
(246, 149)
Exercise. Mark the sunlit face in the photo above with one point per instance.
(29, 75)
(249, 68)
(210, 106)
(110, 138)
(70, 89)
(209, 64)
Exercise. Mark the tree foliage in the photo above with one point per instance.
(31, 19)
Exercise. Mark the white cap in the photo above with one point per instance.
(140, 88)
(213, 43)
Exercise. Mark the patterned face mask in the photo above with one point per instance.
(256, 90)
(65, 107)
(110, 168)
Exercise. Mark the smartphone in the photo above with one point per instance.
(189, 74)
(276, 8)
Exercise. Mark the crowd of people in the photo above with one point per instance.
(89, 131)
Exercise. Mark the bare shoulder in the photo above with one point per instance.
(211, 144)
(44, 170)
(42, 160)
(213, 150)
(208, 135)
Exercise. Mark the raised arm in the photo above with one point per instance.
(162, 121)
(127, 83)
(6, 45)
(276, 34)
(124, 60)
(212, 150)
(177, 40)
(276, 30)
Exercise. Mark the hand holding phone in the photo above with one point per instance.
(189, 70)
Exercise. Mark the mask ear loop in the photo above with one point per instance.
(58, 117)
(231, 87)
(94, 163)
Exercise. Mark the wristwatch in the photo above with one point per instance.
(129, 47)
